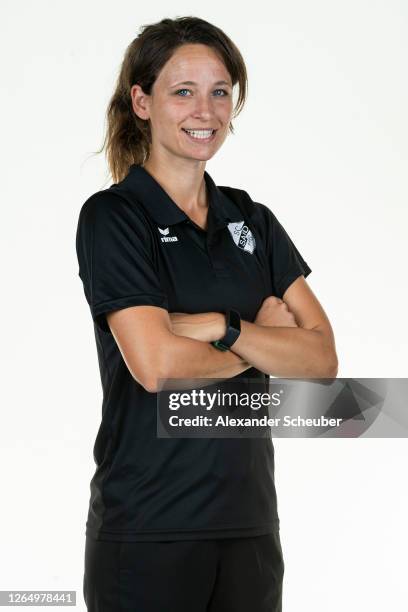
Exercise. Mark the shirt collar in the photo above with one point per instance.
(164, 210)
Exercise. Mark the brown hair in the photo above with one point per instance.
(127, 138)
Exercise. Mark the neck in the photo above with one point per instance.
(185, 184)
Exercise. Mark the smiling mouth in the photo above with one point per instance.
(204, 135)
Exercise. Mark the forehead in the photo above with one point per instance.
(194, 61)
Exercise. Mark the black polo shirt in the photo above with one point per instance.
(136, 246)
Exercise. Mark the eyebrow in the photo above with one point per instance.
(194, 83)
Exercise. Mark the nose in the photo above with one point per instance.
(203, 107)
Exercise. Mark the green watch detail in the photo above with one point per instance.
(218, 344)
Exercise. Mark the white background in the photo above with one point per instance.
(323, 142)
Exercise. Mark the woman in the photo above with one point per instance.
(164, 255)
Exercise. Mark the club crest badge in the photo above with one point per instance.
(242, 236)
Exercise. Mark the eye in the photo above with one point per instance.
(178, 91)
(225, 93)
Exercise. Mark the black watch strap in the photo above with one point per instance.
(233, 321)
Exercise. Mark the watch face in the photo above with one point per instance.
(233, 329)
(235, 320)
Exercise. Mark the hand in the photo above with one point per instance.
(274, 312)
(204, 326)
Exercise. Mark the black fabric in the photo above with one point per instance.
(147, 488)
(286, 261)
(222, 575)
(116, 260)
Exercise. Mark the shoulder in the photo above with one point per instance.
(255, 213)
(246, 202)
(111, 206)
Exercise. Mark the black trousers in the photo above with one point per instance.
(219, 575)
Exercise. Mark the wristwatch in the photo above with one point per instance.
(233, 319)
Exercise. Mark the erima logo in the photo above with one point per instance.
(165, 237)
(242, 236)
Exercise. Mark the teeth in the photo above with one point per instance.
(199, 133)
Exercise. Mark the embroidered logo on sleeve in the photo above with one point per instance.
(242, 236)
(165, 235)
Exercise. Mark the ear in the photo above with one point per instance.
(140, 102)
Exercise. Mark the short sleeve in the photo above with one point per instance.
(116, 260)
(286, 262)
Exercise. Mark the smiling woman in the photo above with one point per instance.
(198, 112)
(186, 280)
(175, 66)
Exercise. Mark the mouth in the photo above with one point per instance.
(206, 135)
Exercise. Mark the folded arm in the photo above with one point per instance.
(153, 351)
(289, 338)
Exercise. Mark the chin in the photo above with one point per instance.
(202, 158)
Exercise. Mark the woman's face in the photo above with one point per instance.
(193, 91)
